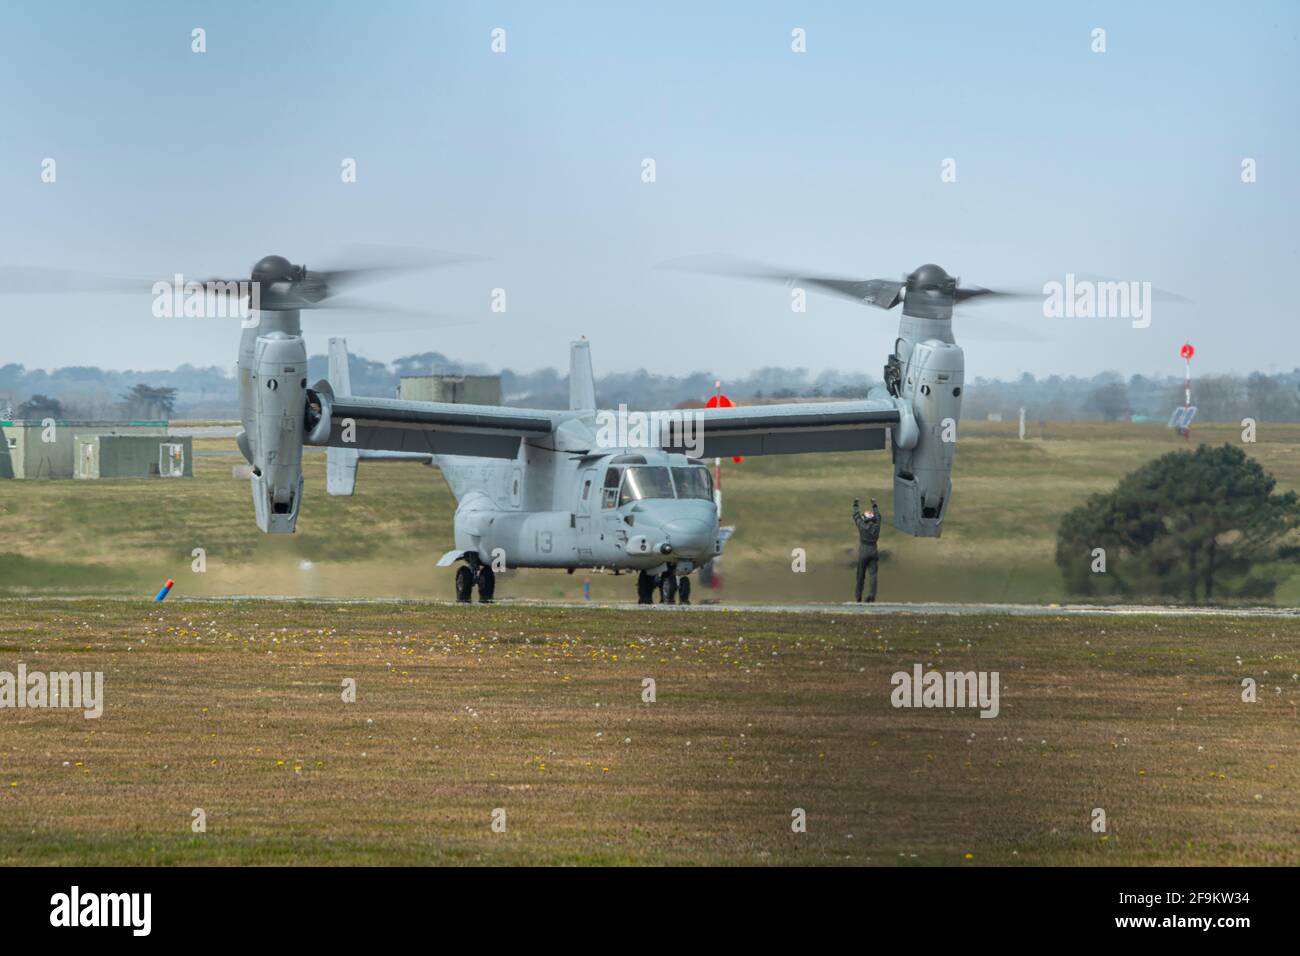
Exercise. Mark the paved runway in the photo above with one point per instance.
(865, 610)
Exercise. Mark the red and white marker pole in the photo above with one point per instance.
(1187, 352)
(718, 400)
(715, 579)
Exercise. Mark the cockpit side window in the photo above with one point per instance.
(645, 481)
(609, 494)
(693, 482)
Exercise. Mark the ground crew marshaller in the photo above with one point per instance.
(868, 557)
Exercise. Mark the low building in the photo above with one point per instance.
(457, 389)
(82, 449)
(134, 456)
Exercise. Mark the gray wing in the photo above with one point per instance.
(438, 428)
(786, 429)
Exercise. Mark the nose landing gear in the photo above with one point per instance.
(668, 587)
(672, 588)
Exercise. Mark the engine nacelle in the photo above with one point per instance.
(933, 376)
(277, 394)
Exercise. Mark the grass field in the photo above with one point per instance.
(127, 537)
(236, 708)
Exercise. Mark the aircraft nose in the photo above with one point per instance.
(689, 536)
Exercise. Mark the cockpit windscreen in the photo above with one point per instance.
(645, 481)
(693, 482)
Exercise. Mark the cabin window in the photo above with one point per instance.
(586, 489)
(609, 496)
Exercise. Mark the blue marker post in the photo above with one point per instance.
(586, 589)
(165, 589)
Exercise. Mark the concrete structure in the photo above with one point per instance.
(460, 389)
(57, 449)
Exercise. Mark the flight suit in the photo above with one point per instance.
(868, 555)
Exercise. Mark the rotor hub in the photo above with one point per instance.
(276, 269)
(930, 276)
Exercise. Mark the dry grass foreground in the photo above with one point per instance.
(237, 709)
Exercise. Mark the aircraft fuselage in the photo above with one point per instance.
(621, 509)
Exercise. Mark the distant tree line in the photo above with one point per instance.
(140, 402)
(1110, 397)
(209, 392)
(88, 392)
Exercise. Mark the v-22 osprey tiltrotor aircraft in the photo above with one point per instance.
(556, 489)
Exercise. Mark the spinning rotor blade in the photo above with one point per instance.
(965, 293)
(229, 288)
(362, 305)
(882, 293)
(25, 280)
(933, 286)
(369, 264)
(1157, 294)
(419, 317)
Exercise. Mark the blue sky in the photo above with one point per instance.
(1125, 163)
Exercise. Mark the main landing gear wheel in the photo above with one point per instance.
(683, 590)
(645, 587)
(487, 584)
(667, 588)
(464, 584)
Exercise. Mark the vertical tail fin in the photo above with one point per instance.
(340, 463)
(582, 384)
(340, 376)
